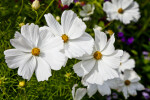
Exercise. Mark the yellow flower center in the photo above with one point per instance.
(21, 84)
(97, 55)
(120, 10)
(35, 51)
(65, 38)
(110, 32)
(127, 82)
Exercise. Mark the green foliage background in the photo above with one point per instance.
(58, 87)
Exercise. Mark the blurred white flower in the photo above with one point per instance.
(101, 64)
(104, 89)
(98, 27)
(35, 5)
(66, 2)
(72, 32)
(126, 63)
(123, 10)
(35, 50)
(129, 83)
(87, 11)
(79, 93)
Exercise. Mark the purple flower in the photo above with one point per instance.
(108, 97)
(115, 95)
(147, 90)
(76, 1)
(146, 95)
(130, 40)
(145, 53)
(106, 0)
(123, 39)
(120, 34)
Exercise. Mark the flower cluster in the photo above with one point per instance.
(101, 67)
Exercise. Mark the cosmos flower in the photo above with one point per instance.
(66, 2)
(129, 83)
(101, 64)
(35, 50)
(123, 10)
(79, 93)
(126, 63)
(72, 32)
(104, 89)
(87, 11)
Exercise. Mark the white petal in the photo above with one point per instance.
(43, 71)
(31, 33)
(91, 89)
(85, 42)
(72, 50)
(85, 57)
(125, 56)
(114, 83)
(80, 93)
(131, 90)
(104, 89)
(21, 43)
(109, 7)
(130, 75)
(73, 90)
(54, 26)
(100, 40)
(138, 86)
(66, 2)
(109, 48)
(53, 44)
(84, 67)
(126, 3)
(15, 58)
(113, 60)
(77, 29)
(125, 92)
(83, 13)
(55, 59)
(130, 64)
(26, 70)
(67, 20)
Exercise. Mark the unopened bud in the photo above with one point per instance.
(21, 24)
(36, 5)
(22, 84)
(57, 18)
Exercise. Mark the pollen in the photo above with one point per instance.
(22, 84)
(65, 38)
(97, 55)
(35, 51)
(120, 10)
(127, 82)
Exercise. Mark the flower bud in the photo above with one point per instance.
(36, 5)
(22, 84)
(57, 18)
(21, 24)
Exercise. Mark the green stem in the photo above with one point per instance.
(44, 11)
(108, 25)
(20, 8)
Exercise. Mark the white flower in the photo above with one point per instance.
(98, 27)
(126, 63)
(35, 50)
(72, 32)
(101, 64)
(66, 2)
(79, 94)
(129, 83)
(123, 10)
(104, 89)
(87, 11)
(35, 5)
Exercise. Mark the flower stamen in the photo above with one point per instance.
(35, 51)
(97, 55)
(120, 10)
(127, 82)
(65, 38)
